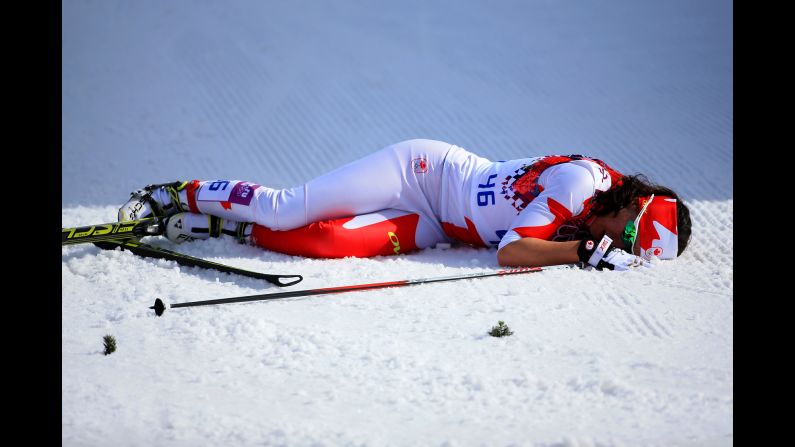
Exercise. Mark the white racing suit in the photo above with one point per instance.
(413, 194)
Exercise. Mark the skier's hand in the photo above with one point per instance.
(605, 255)
(618, 259)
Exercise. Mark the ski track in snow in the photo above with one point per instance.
(279, 92)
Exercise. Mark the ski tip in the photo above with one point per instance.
(159, 307)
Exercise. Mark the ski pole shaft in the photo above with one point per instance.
(160, 307)
(151, 251)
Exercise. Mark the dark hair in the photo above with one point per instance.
(630, 188)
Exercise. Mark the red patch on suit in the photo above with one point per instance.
(329, 239)
(561, 214)
(190, 189)
(468, 235)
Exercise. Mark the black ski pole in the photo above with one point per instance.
(160, 307)
(124, 235)
(151, 251)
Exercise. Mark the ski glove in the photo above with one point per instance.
(605, 255)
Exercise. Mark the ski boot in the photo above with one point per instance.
(186, 227)
(160, 200)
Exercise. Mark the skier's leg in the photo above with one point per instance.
(383, 180)
(384, 233)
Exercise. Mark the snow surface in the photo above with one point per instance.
(280, 91)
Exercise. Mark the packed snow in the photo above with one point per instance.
(280, 91)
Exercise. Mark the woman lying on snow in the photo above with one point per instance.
(537, 211)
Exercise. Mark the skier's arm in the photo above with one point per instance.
(534, 252)
(527, 242)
